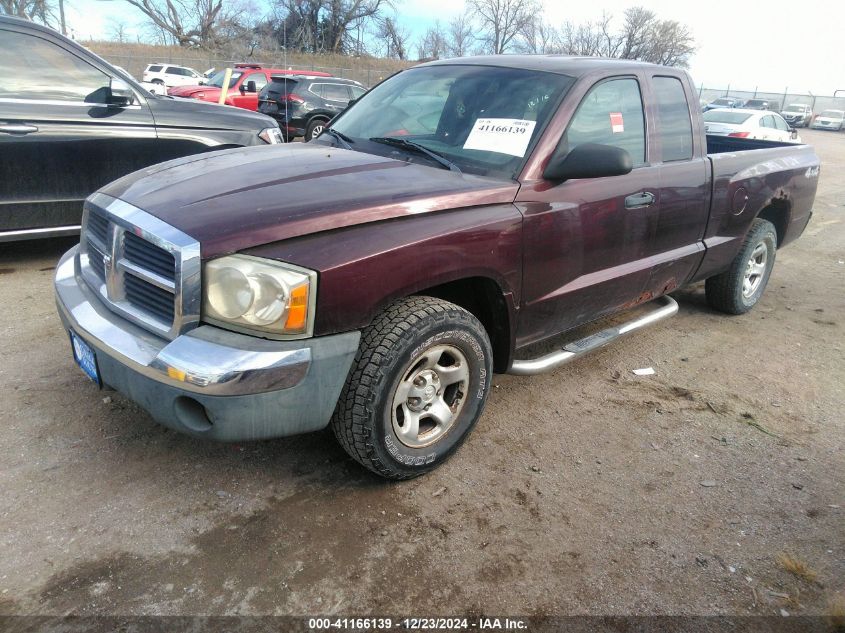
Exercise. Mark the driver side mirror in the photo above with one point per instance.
(248, 87)
(793, 133)
(589, 160)
(120, 94)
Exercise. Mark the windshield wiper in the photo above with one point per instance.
(345, 141)
(420, 149)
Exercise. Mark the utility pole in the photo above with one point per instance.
(62, 16)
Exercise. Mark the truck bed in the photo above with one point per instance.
(724, 144)
(755, 174)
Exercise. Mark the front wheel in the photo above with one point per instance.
(739, 288)
(417, 387)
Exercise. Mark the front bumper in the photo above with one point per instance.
(209, 382)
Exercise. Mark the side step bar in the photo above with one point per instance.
(667, 307)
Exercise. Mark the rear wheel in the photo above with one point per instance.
(416, 389)
(738, 289)
(315, 128)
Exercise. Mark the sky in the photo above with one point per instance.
(747, 45)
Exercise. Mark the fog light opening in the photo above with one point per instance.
(192, 414)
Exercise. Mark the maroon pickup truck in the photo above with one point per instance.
(375, 278)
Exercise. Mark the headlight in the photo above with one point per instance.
(252, 293)
(271, 135)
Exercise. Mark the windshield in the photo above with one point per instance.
(794, 108)
(484, 119)
(723, 102)
(726, 116)
(217, 78)
(832, 114)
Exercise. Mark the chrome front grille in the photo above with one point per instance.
(142, 268)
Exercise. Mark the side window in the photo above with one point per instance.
(780, 124)
(154, 69)
(357, 92)
(675, 125)
(316, 89)
(61, 75)
(611, 114)
(259, 78)
(335, 92)
(767, 121)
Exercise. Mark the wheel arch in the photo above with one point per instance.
(485, 299)
(778, 212)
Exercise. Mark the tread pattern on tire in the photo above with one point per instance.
(721, 289)
(368, 377)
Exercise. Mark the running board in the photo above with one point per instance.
(668, 307)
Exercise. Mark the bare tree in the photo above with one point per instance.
(317, 26)
(503, 20)
(642, 36)
(394, 38)
(460, 35)
(117, 30)
(433, 45)
(539, 37)
(185, 22)
(594, 39)
(36, 10)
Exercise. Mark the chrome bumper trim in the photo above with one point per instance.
(206, 360)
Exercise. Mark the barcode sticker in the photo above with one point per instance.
(505, 136)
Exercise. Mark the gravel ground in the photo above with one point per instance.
(586, 491)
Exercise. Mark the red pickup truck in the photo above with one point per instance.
(375, 278)
(245, 83)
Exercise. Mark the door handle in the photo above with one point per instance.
(639, 200)
(12, 128)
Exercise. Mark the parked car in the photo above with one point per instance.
(303, 105)
(724, 102)
(798, 114)
(829, 120)
(169, 75)
(84, 124)
(458, 213)
(246, 82)
(760, 104)
(752, 124)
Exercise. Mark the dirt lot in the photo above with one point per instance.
(585, 491)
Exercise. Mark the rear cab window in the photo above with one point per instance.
(674, 122)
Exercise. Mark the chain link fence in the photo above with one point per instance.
(369, 75)
(783, 99)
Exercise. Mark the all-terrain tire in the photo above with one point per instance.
(739, 288)
(404, 348)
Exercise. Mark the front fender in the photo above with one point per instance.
(363, 268)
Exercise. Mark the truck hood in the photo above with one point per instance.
(235, 199)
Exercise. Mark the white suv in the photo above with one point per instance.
(169, 75)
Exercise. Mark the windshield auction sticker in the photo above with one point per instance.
(505, 136)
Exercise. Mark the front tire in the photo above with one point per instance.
(416, 389)
(738, 289)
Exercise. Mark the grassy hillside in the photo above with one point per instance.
(134, 57)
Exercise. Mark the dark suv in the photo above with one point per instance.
(70, 123)
(303, 104)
